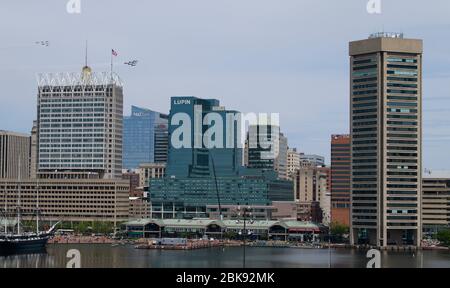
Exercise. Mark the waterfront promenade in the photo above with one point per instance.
(75, 239)
(192, 244)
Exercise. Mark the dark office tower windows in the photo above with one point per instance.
(386, 132)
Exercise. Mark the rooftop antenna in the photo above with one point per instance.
(86, 69)
(86, 55)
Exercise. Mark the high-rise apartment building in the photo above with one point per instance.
(340, 179)
(293, 162)
(267, 149)
(311, 185)
(14, 155)
(386, 133)
(145, 138)
(281, 159)
(80, 122)
(327, 171)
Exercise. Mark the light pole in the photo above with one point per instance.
(329, 245)
(244, 232)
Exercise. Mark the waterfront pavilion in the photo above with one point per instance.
(197, 228)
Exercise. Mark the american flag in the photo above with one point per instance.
(114, 53)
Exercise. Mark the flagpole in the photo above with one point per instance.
(112, 64)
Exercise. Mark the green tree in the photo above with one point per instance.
(102, 227)
(444, 237)
(81, 227)
(230, 235)
(184, 235)
(338, 229)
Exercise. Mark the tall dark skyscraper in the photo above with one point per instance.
(386, 132)
(145, 138)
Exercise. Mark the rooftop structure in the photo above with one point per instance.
(55, 81)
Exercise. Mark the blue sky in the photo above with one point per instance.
(285, 56)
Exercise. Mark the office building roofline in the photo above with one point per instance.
(436, 174)
(75, 79)
(135, 108)
(386, 44)
(12, 133)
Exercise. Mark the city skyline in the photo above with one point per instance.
(244, 55)
(203, 134)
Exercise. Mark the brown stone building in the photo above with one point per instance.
(340, 179)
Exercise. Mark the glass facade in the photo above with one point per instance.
(188, 197)
(197, 176)
(194, 159)
(145, 137)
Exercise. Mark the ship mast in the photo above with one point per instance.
(37, 208)
(6, 212)
(18, 198)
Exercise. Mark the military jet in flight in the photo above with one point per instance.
(42, 43)
(132, 63)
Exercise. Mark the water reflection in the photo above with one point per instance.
(36, 260)
(106, 256)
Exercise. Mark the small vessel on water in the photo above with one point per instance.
(25, 242)
(18, 241)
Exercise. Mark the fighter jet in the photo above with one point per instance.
(42, 43)
(132, 63)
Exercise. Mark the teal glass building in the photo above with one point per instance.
(198, 175)
(195, 160)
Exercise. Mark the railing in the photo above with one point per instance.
(386, 35)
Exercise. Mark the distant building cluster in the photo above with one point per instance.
(86, 161)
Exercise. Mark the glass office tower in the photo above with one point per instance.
(198, 175)
(145, 136)
(194, 159)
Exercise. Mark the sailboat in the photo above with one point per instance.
(25, 242)
(21, 242)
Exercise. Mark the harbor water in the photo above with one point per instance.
(126, 256)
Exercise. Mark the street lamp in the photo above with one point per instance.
(329, 245)
(245, 210)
